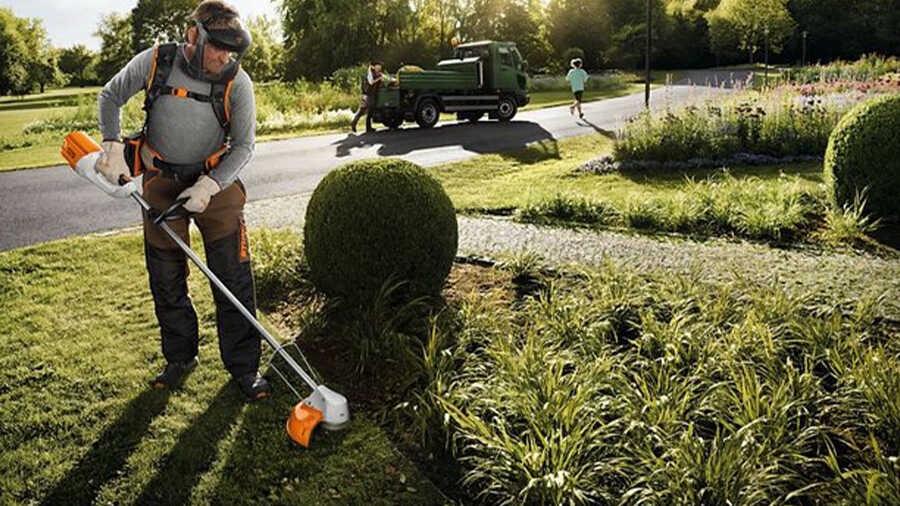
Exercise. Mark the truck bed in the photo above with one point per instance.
(454, 75)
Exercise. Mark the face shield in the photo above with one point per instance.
(217, 53)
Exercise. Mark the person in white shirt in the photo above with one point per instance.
(577, 77)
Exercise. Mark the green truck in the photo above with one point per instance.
(482, 77)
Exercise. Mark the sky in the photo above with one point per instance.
(70, 22)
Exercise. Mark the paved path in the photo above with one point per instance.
(38, 205)
(837, 277)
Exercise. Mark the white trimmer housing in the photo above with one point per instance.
(335, 412)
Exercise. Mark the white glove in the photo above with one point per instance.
(112, 162)
(199, 194)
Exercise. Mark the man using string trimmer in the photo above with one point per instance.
(198, 133)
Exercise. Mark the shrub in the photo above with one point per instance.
(348, 78)
(863, 153)
(373, 220)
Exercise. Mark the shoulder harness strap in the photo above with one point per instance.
(163, 60)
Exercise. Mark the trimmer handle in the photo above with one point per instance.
(172, 211)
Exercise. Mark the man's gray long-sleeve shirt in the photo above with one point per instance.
(184, 130)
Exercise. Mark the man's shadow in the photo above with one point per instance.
(196, 450)
(109, 452)
(481, 138)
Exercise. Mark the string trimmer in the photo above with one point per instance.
(324, 405)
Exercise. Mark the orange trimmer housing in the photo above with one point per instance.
(301, 423)
(76, 145)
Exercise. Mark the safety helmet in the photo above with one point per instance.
(234, 40)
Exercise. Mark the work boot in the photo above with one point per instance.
(254, 386)
(174, 374)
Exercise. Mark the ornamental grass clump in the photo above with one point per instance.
(779, 123)
(625, 387)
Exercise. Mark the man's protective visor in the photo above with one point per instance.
(234, 41)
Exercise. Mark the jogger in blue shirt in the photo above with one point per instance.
(577, 77)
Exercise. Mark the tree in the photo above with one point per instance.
(27, 61)
(319, 39)
(586, 24)
(263, 60)
(47, 71)
(521, 22)
(165, 19)
(13, 64)
(115, 32)
(78, 62)
(742, 24)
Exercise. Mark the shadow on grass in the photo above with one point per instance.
(110, 451)
(265, 465)
(195, 451)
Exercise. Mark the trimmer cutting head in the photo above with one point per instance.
(325, 406)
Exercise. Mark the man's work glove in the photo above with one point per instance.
(112, 162)
(199, 194)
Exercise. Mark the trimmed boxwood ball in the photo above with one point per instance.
(864, 152)
(372, 219)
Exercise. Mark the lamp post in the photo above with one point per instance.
(766, 32)
(647, 79)
(803, 58)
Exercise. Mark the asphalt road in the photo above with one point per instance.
(38, 205)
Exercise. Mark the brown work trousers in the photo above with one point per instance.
(227, 250)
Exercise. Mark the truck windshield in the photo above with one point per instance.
(475, 51)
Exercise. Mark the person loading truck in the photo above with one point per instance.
(372, 82)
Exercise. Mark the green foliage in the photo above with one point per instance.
(27, 60)
(746, 207)
(597, 82)
(636, 388)
(115, 33)
(863, 153)
(868, 68)
(264, 60)
(569, 209)
(747, 25)
(375, 220)
(164, 20)
(278, 263)
(78, 62)
(347, 79)
(849, 224)
(780, 123)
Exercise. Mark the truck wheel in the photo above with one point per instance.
(428, 113)
(507, 108)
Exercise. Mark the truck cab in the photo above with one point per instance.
(485, 77)
(503, 65)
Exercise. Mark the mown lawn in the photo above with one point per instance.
(78, 424)
(545, 169)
